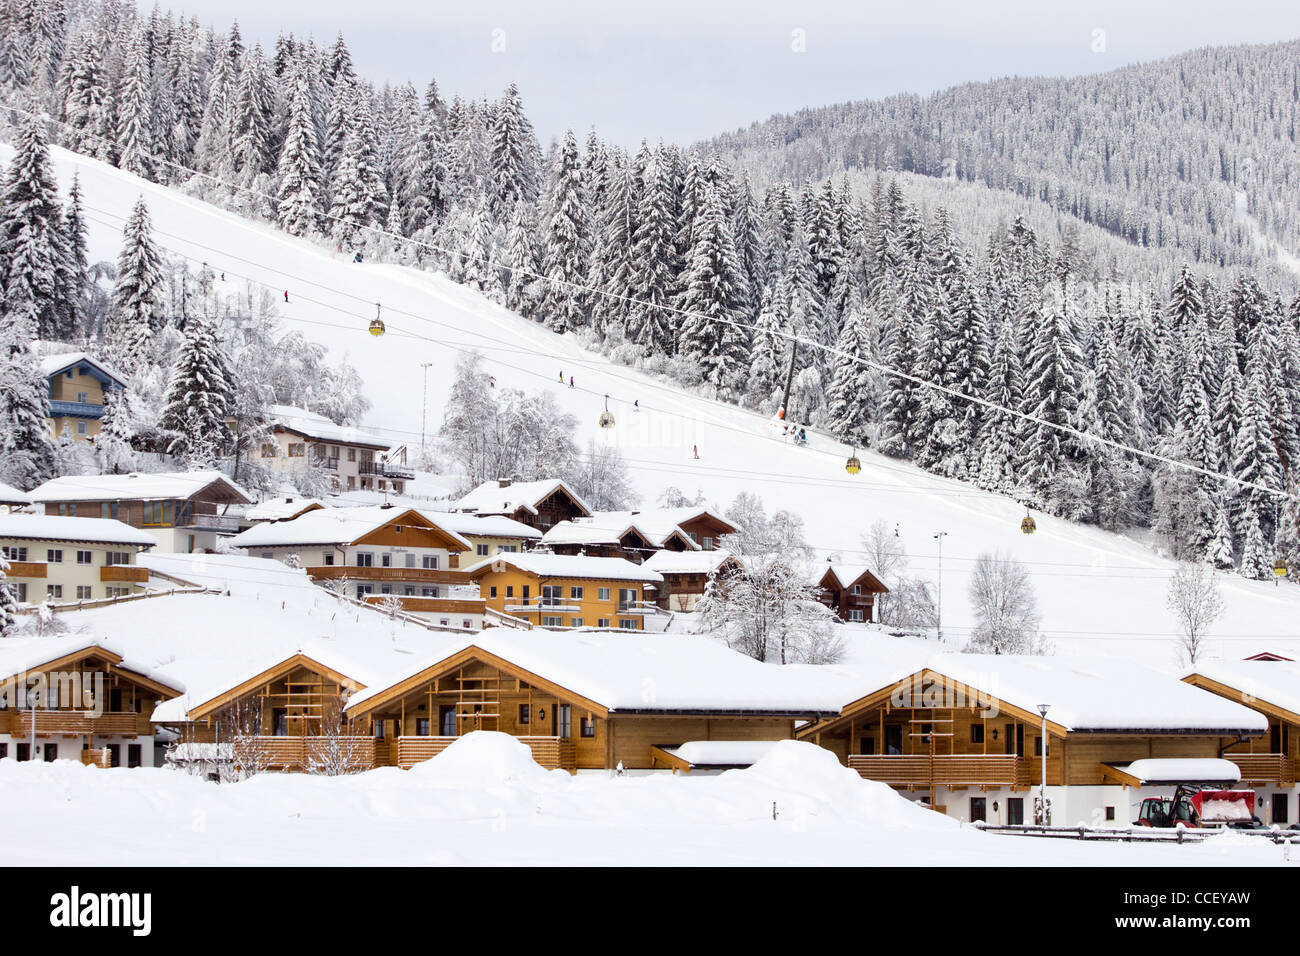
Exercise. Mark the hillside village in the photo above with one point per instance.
(236, 544)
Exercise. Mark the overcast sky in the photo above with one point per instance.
(682, 70)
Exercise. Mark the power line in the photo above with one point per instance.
(683, 313)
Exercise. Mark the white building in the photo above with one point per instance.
(65, 560)
(349, 459)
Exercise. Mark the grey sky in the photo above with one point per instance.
(682, 70)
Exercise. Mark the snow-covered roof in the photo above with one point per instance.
(582, 532)
(9, 495)
(657, 524)
(1094, 694)
(329, 526)
(58, 528)
(686, 562)
(136, 486)
(481, 526)
(491, 498)
(845, 574)
(1182, 770)
(569, 566)
(634, 672)
(310, 425)
(277, 509)
(53, 364)
(1271, 682)
(722, 753)
(19, 655)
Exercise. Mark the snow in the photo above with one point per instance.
(328, 526)
(1097, 694)
(846, 574)
(570, 566)
(1183, 770)
(18, 655)
(1099, 593)
(61, 528)
(640, 672)
(1272, 682)
(491, 498)
(311, 425)
(9, 495)
(723, 753)
(1225, 811)
(278, 509)
(53, 364)
(483, 526)
(132, 487)
(796, 806)
(686, 562)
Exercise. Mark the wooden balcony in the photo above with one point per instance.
(957, 770)
(124, 572)
(1265, 768)
(551, 752)
(426, 605)
(27, 569)
(301, 753)
(335, 572)
(69, 723)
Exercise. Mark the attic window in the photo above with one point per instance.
(397, 529)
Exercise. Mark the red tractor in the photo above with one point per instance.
(1194, 806)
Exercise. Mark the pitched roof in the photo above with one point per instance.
(490, 498)
(310, 425)
(638, 673)
(846, 575)
(658, 524)
(687, 562)
(335, 526)
(20, 655)
(10, 495)
(1267, 682)
(138, 487)
(59, 528)
(568, 566)
(54, 364)
(481, 525)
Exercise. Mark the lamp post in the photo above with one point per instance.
(424, 413)
(1042, 785)
(939, 536)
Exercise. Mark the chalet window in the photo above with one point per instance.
(507, 549)
(492, 591)
(626, 596)
(552, 594)
(386, 559)
(856, 589)
(1279, 808)
(587, 727)
(385, 589)
(83, 592)
(297, 449)
(1038, 747)
(707, 543)
(855, 615)
(379, 730)
(550, 621)
(108, 509)
(563, 721)
(430, 562)
(54, 556)
(363, 590)
(83, 397)
(629, 624)
(510, 590)
(54, 590)
(428, 592)
(268, 450)
(154, 513)
(51, 753)
(978, 809)
(447, 719)
(20, 591)
(352, 454)
(85, 557)
(328, 557)
(1016, 811)
(576, 593)
(16, 554)
(575, 622)
(527, 588)
(365, 559)
(602, 622)
(481, 550)
(1110, 813)
(977, 733)
(24, 752)
(421, 726)
(525, 715)
(409, 590)
(4, 751)
(602, 594)
(466, 623)
(397, 528)
(117, 557)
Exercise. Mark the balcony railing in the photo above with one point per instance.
(59, 409)
(302, 753)
(329, 464)
(956, 770)
(27, 569)
(428, 605)
(334, 572)
(551, 752)
(75, 722)
(1265, 768)
(385, 469)
(124, 572)
(199, 522)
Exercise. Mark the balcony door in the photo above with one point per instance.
(893, 739)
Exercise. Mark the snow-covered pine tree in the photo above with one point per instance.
(199, 398)
(251, 126)
(1001, 433)
(1053, 385)
(566, 245)
(851, 396)
(31, 236)
(521, 283)
(513, 155)
(137, 294)
(654, 258)
(301, 179)
(8, 603)
(135, 133)
(73, 269)
(113, 449)
(613, 270)
(901, 401)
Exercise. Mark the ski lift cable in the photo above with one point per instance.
(684, 313)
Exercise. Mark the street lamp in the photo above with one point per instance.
(939, 536)
(1042, 785)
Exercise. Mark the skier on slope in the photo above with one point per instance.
(286, 295)
(570, 381)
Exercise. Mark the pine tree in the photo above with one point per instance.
(301, 186)
(852, 394)
(137, 294)
(199, 397)
(1001, 433)
(31, 236)
(709, 333)
(767, 352)
(8, 603)
(654, 258)
(521, 263)
(135, 135)
(73, 268)
(251, 121)
(566, 246)
(513, 154)
(1052, 392)
(1255, 563)
(902, 395)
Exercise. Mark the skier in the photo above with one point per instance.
(492, 382)
(570, 381)
(696, 449)
(286, 295)
(636, 405)
(803, 438)
(223, 277)
(356, 257)
(561, 376)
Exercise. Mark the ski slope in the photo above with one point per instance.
(1099, 593)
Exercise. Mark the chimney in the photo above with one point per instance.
(503, 482)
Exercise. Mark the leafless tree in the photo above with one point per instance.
(888, 561)
(769, 611)
(241, 728)
(336, 749)
(1006, 611)
(1194, 598)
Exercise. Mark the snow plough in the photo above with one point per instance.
(1194, 806)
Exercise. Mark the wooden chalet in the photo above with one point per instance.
(288, 717)
(965, 734)
(63, 698)
(79, 388)
(1269, 762)
(184, 511)
(686, 575)
(850, 591)
(538, 504)
(589, 702)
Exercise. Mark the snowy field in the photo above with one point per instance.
(484, 802)
(1099, 593)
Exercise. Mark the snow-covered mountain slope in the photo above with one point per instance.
(1099, 593)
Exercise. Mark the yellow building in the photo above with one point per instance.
(555, 590)
(79, 386)
(65, 560)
